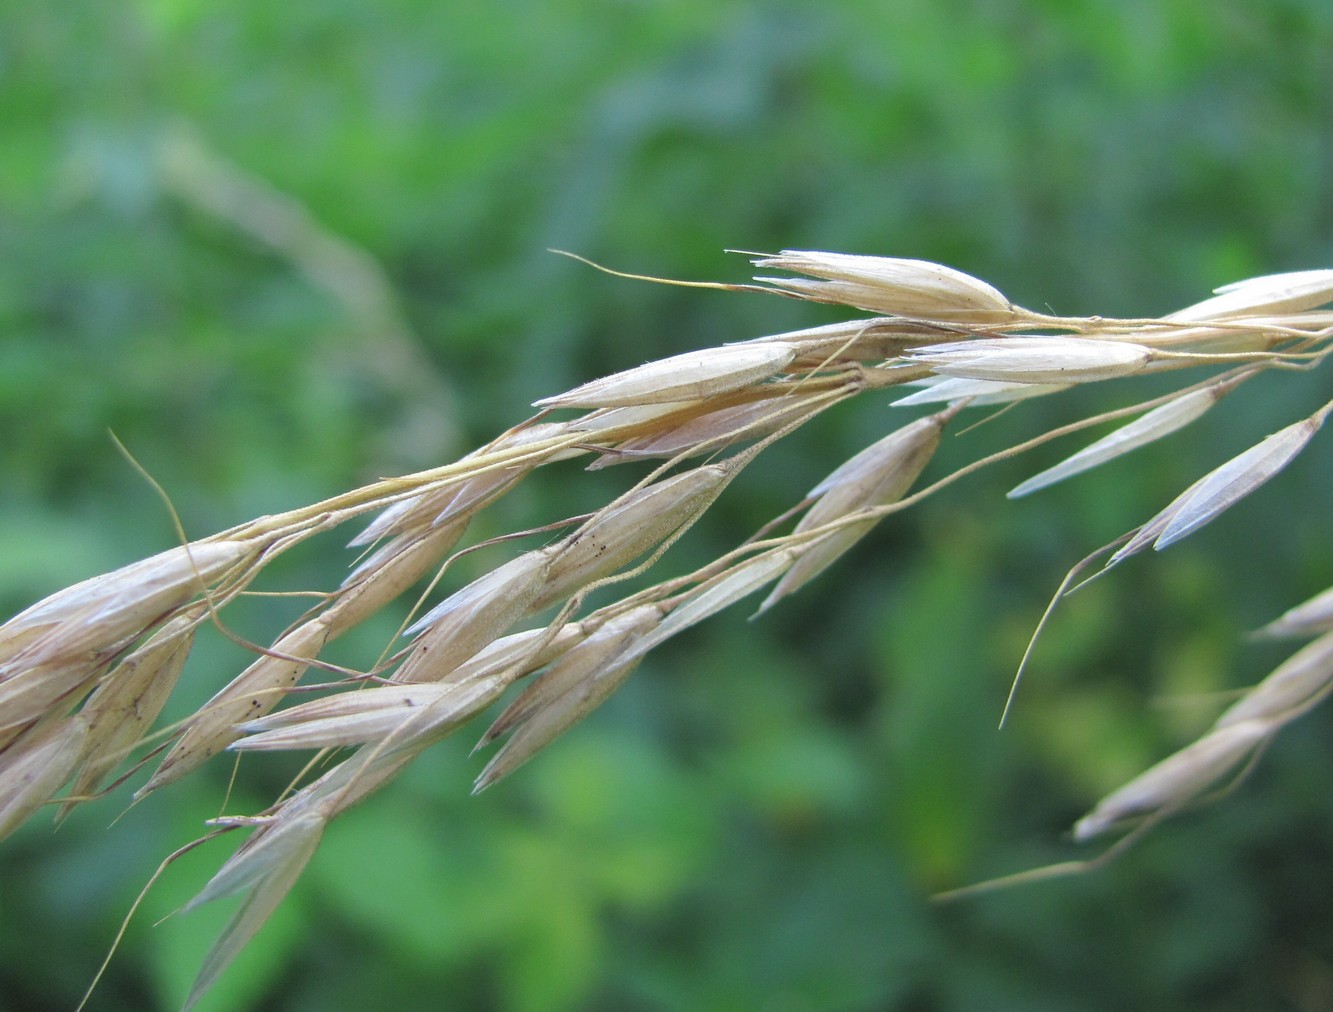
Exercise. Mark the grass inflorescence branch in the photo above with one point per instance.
(85, 673)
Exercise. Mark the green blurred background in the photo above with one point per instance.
(280, 249)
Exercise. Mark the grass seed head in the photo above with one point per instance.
(1306, 619)
(899, 287)
(691, 376)
(633, 525)
(119, 640)
(253, 693)
(1177, 779)
(370, 714)
(472, 617)
(1224, 487)
(1059, 360)
(1157, 424)
(102, 614)
(1273, 293)
(35, 766)
(1293, 685)
(878, 475)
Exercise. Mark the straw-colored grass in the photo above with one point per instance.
(84, 673)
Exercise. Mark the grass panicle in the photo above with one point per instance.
(85, 673)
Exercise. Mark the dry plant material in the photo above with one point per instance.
(84, 674)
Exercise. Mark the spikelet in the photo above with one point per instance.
(576, 685)
(35, 766)
(264, 869)
(912, 288)
(367, 715)
(1274, 293)
(1157, 424)
(103, 613)
(693, 375)
(1300, 680)
(878, 475)
(1056, 360)
(634, 524)
(472, 617)
(1179, 778)
(127, 702)
(1224, 487)
(1306, 619)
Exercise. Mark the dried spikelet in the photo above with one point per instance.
(712, 430)
(1237, 478)
(367, 715)
(35, 766)
(1175, 414)
(948, 389)
(634, 524)
(472, 617)
(253, 692)
(1177, 779)
(710, 597)
(1301, 679)
(130, 698)
(264, 868)
(30, 693)
(878, 475)
(913, 288)
(693, 375)
(104, 613)
(1273, 293)
(389, 572)
(580, 682)
(857, 340)
(641, 415)
(1035, 359)
(1306, 619)
(591, 653)
(1221, 488)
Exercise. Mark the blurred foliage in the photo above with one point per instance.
(351, 278)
